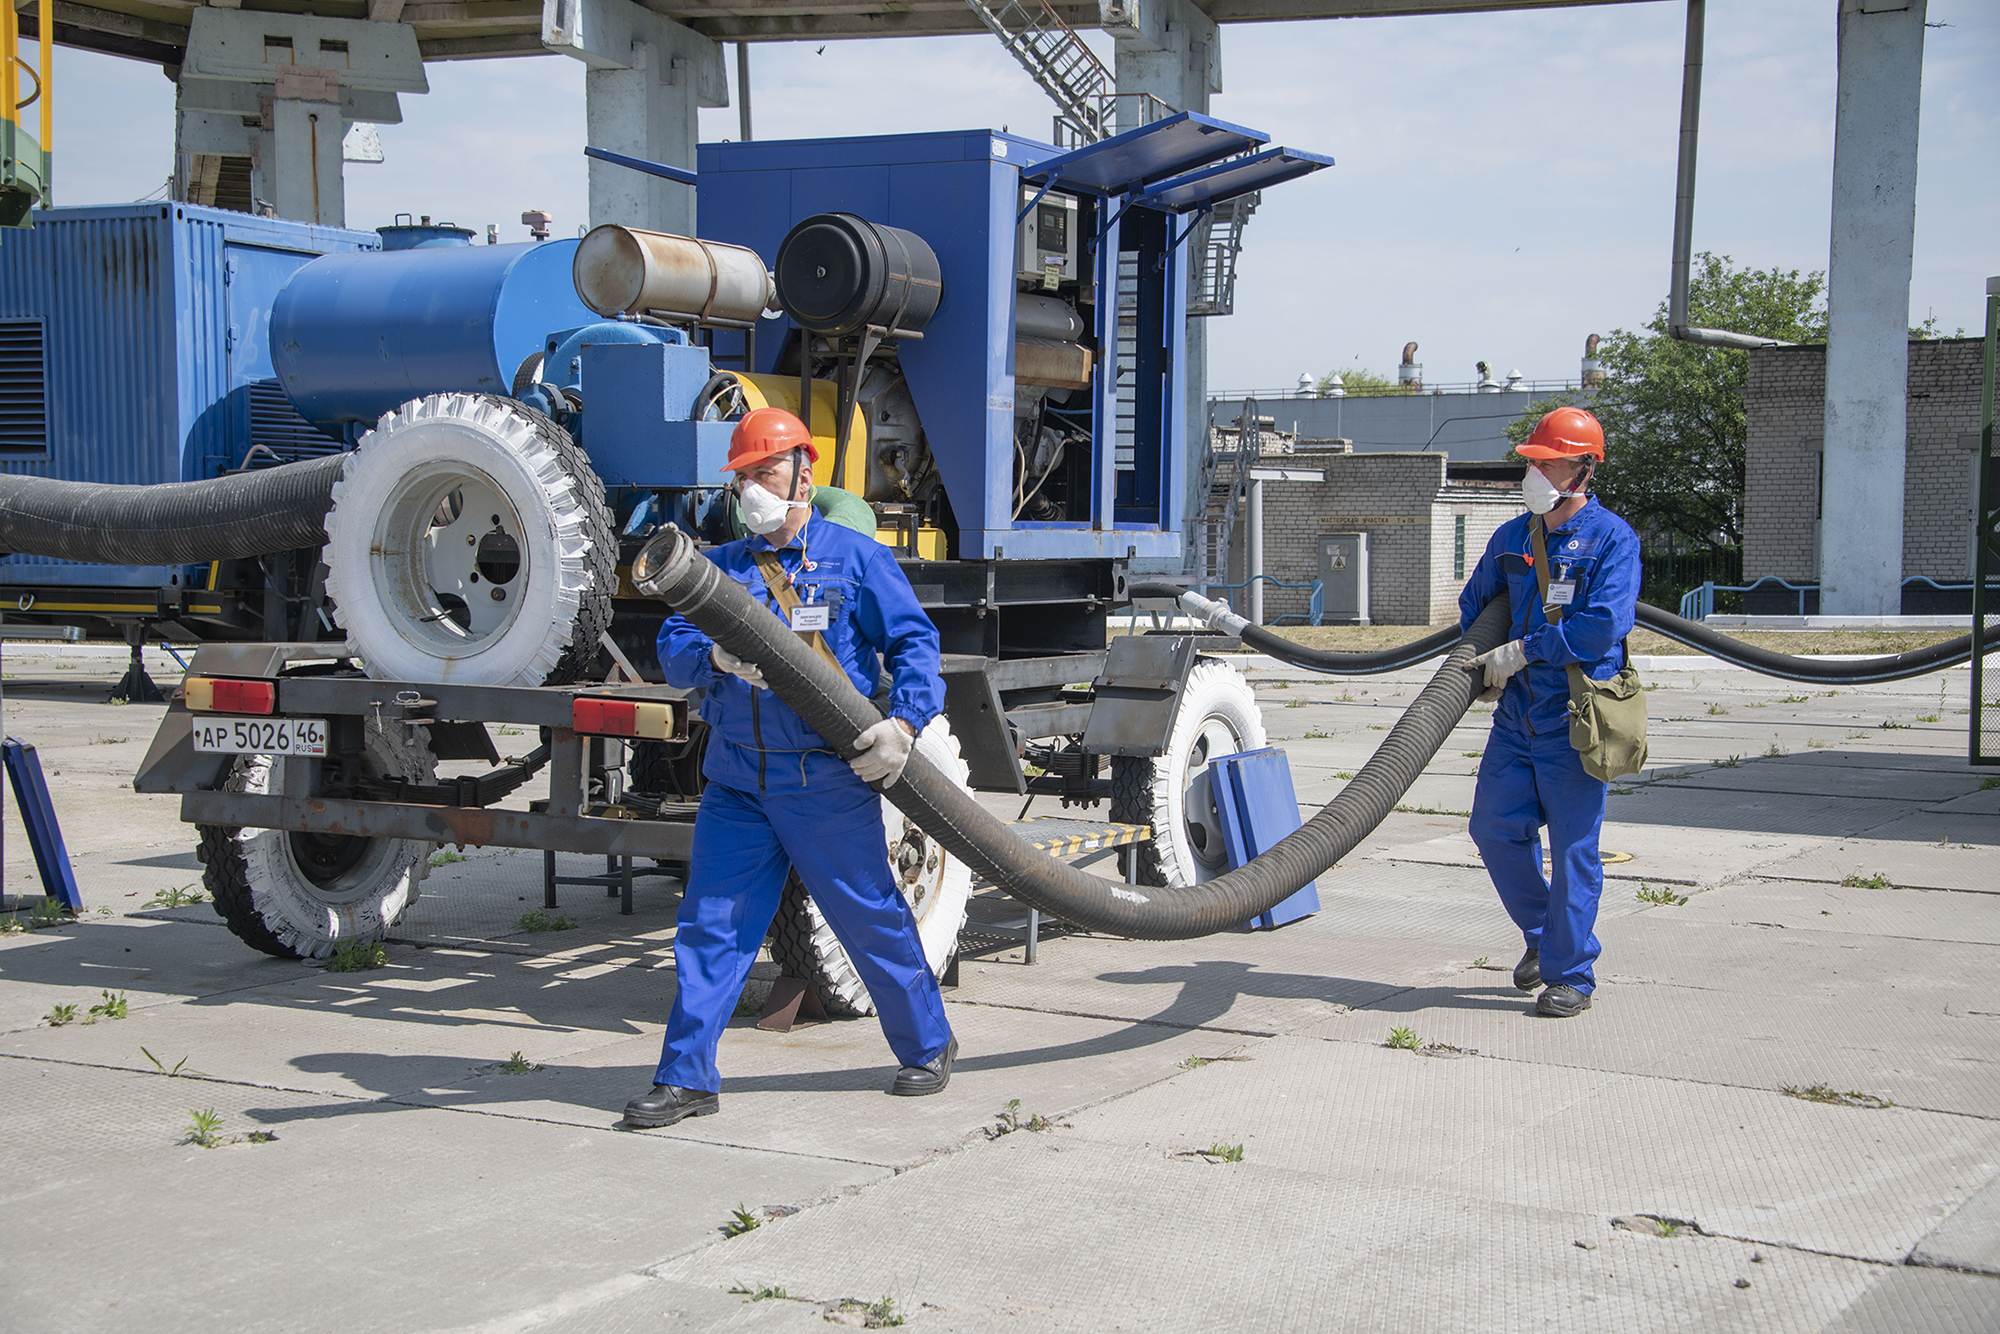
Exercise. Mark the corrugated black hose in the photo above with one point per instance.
(170, 523)
(1766, 662)
(671, 569)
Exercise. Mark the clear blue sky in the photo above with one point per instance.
(1505, 181)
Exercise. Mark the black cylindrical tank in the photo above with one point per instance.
(838, 273)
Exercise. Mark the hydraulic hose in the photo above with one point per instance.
(671, 569)
(170, 523)
(1785, 666)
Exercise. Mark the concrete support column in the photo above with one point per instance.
(647, 78)
(305, 146)
(1868, 305)
(1172, 50)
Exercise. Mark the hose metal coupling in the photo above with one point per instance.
(662, 562)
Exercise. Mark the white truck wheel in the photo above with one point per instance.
(469, 542)
(305, 895)
(936, 883)
(1218, 716)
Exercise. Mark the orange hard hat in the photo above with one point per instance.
(1566, 433)
(766, 432)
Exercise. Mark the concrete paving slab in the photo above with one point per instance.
(150, 962)
(1072, 1244)
(1659, 854)
(1985, 801)
(1834, 780)
(644, 1304)
(363, 1216)
(426, 1019)
(1969, 1240)
(1901, 1300)
(1890, 1017)
(1685, 807)
(1866, 1185)
(1916, 914)
(822, 1090)
(1909, 864)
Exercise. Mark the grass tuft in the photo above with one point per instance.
(178, 897)
(1403, 1039)
(61, 1014)
(1855, 880)
(761, 1293)
(741, 1220)
(358, 956)
(1662, 895)
(1826, 1093)
(204, 1129)
(539, 919)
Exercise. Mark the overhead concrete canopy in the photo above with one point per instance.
(156, 30)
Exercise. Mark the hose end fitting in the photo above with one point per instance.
(1216, 615)
(662, 562)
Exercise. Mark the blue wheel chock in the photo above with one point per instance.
(1257, 807)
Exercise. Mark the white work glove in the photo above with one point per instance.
(885, 749)
(725, 661)
(1501, 663)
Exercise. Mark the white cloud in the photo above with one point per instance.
(1505, 181)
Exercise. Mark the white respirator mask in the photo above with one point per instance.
(1541, 495)
(763, 512)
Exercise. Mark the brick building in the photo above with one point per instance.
(1427, 522)
(1785, 401)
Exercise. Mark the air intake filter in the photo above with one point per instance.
(838, 273)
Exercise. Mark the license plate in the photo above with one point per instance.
(260, 736)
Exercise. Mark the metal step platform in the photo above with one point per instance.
(1058, 836)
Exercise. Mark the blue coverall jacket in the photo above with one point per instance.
(1529, 776)
(778, 798)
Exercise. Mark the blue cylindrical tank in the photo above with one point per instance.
(351, 341)
(425, 235)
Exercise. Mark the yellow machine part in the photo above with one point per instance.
(782, 391)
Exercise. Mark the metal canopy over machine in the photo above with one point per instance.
(1229, 180)
(1136, 158)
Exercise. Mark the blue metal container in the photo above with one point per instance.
(355, 336)
(133, 350)
(425, 235)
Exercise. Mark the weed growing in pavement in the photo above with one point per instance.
(1816, 743)
(1403, 1039)
(1988, 784)
(1431, 810)
(741, 1220)
(511, 731)
(1826, 1093)
(261, 1136)
(1757, 705)
(1341, 773)
(518, 1064)
(10, 925)
(1795, 699)
(1617, 791)
(880, 1314)
(61, 1014)
(49, 912)
(1345, 697)
(111, 1007)
(1888, 726)
(1472, 754)
(109, 740)
(1445, 1049)
(446, 857)
(1855, 880)
(1729, 763)
(358, 956)
(538, 919)
(1857, 736)
(1774, 751)
(1482, 961)
(204, 1129)
(170, 1074)
(1319, 736)
(1716, 710)
(1011, 1119)
(1647, 894)
(1296, 703)
(760, 1293)
(1191, 1063)
(1228, 1153)
(178, 897)
(1277, 685)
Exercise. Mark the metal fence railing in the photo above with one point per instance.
(1315, 602)
(1698, 604)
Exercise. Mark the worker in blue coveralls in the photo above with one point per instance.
(1530, 778)
(778, 796)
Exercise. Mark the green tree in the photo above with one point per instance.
(1674, 424)
(1359, 382)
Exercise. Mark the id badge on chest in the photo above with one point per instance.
(1562, 592)
(810, 617)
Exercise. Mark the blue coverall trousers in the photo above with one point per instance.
(1526, 783)
(743, 844)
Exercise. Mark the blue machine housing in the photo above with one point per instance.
(132, 350)
(961, 192)
(355, 336)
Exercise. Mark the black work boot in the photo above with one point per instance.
(667, 1104)
(1528, 972)
(914, 1081)
(1561, 1002)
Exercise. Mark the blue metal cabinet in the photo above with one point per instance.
(137, 353)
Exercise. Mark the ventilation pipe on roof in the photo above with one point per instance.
(1677, 292)
(1593, 369)
(1410, 374)
(1487, 384)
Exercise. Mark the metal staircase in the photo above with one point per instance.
(1212, 257)
(1084, 91)
(1223, 479)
